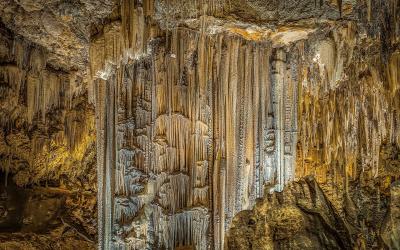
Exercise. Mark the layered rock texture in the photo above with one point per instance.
(210, 124)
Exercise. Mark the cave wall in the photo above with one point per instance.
(166, 118)
(347, 167)
(180, 121)
(47, 151)
(201, 114)
(191, 109)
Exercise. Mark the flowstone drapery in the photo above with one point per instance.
(191, 127)
(240, 124)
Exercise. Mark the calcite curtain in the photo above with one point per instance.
(190, 129)
(201, 108)
(194, 123)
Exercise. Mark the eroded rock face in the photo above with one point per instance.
(303, 217)
(273, 11)
(62, 27)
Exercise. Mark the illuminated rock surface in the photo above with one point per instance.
(210, 124)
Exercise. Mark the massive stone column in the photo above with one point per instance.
(192, 125)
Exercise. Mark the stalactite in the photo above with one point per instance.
(15, 79)
(357, 116)
(194, 127)
(43, 90)
(183, 229)
(174, 194)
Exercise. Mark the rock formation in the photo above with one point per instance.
(47, 151)
(212, 124)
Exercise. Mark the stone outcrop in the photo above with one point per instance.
(62, 27)
(303, 217)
